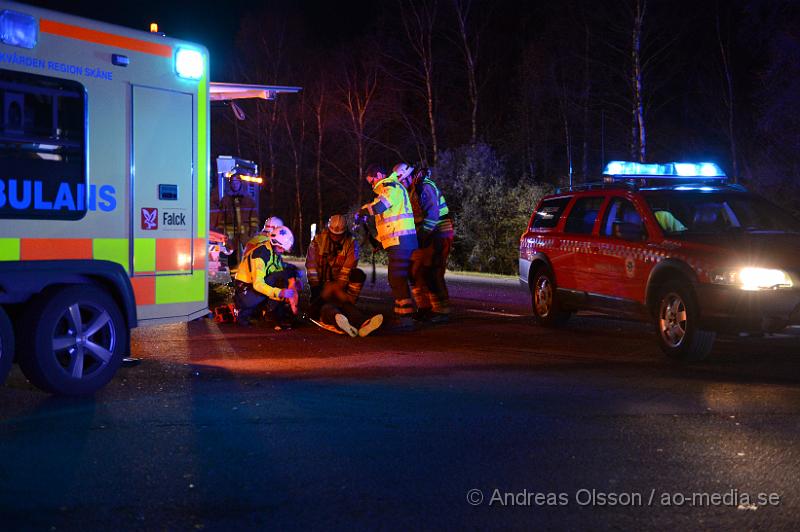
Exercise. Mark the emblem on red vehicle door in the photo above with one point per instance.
(630, 266)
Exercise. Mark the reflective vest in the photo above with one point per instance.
(260, 261)
(398, 218)
(444, 225)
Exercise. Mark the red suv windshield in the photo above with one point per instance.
(685, 213)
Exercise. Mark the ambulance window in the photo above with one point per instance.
(549, 212)
(42, 148)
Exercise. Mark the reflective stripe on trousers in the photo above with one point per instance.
(399, 269)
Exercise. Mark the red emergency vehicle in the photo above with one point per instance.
(674, 244)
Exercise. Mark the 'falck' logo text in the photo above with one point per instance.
(173, 218)
(149, 219)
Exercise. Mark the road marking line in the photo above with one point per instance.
(371, 298)
(478, 311)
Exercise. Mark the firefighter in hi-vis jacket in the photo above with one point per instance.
(336, 281)
(394, 221)
(435, 235)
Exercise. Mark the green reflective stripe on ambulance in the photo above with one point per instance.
(144, 254)
(9, 249)
(202, 156)
(181, 288)
(112, 249)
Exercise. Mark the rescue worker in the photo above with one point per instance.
(435, 235)
(265, 281)
(235, 215)
(394, 221)
(336, 281)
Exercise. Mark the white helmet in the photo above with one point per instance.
(403, 171)
(283, 237)
(271, 223)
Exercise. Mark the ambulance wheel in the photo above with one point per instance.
(6, 345)
(77, 341)
(546, 309)
(677, 324)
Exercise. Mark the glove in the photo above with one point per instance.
(291, 297)
(287, 293)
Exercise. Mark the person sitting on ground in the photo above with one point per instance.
(336, 281)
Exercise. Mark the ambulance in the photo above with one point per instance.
(104, 191)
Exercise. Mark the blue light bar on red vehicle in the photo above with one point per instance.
(623, 169)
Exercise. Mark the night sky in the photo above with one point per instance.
(215, 24)
(554, 78)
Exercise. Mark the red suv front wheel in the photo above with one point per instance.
(677, 317)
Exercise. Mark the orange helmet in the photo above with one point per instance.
(337, 224)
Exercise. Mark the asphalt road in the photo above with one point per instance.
(587, 427)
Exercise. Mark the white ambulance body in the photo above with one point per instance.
(104, 164)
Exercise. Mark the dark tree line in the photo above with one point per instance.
(543, 93)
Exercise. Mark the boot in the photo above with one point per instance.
(402, 324)
(439, 317)
(423, 314)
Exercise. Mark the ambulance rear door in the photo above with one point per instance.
(162, 182)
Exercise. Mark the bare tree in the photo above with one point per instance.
(419, 18)
(264, 40)
(319, 108)
(638, 131)
(564, 105)
(469, 42)
(296, 137)
(585, 101)
(639, 59)
(728, 96)
(357, 95)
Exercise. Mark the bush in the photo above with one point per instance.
(490, 211)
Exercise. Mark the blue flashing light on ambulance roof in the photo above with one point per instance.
(18, 29)
(189, 63)
(624, 169)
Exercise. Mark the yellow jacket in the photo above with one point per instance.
(392, 210)
(258, 262)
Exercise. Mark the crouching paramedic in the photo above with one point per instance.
(265, 281)
(394, 221)
(336, 281)
(435, 235)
